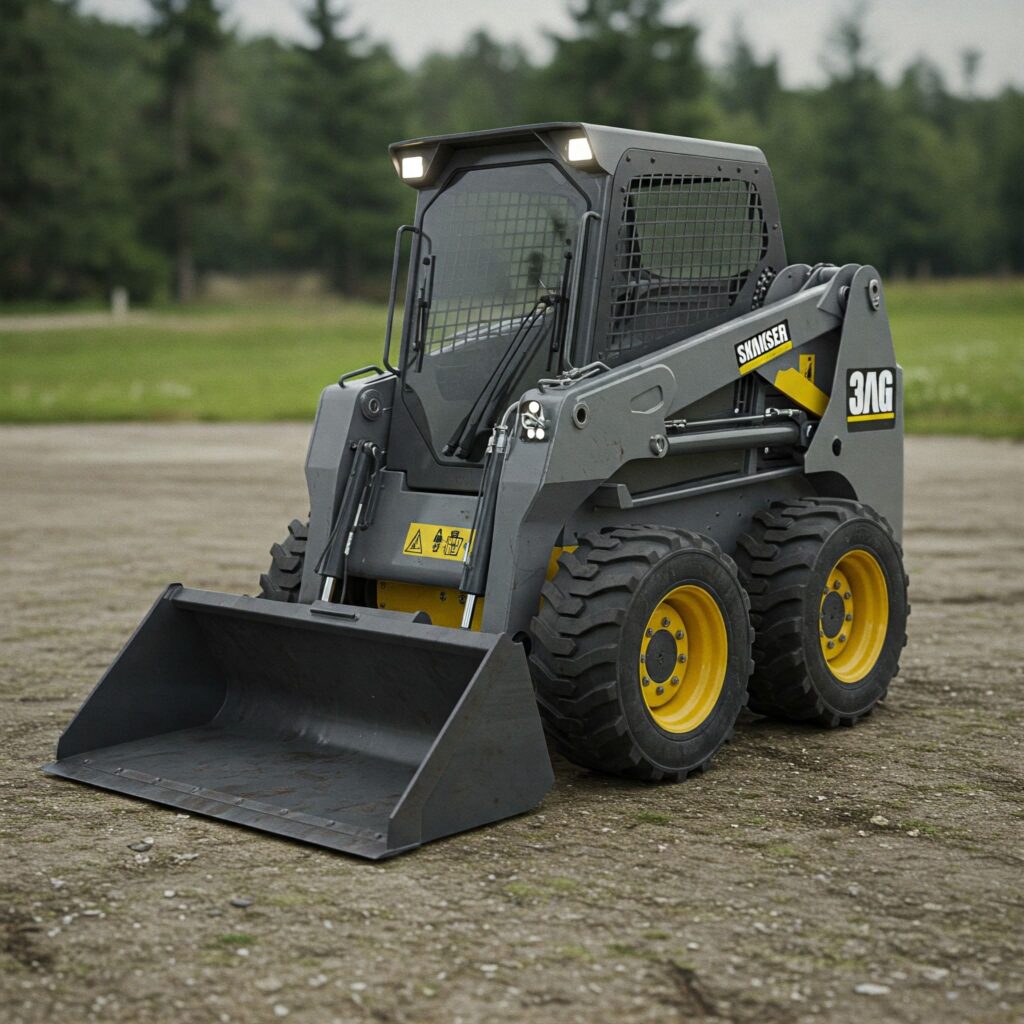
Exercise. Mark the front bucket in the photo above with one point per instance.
(352, 728)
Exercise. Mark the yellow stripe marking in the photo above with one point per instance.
(871, 416)
(795, 385)
(786, 346)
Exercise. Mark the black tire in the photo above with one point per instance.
(281, 582)
(586, 641)
(786, 561)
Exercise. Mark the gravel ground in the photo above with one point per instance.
(865, 875)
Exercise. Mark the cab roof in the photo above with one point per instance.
(608, 144)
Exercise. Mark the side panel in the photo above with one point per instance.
(339, 422)
(722, 515)
(861, 432)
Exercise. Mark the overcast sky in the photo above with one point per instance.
(796, 30)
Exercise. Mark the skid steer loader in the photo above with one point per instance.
(624, 468)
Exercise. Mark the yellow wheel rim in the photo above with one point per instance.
(684, 654)
(853, 616)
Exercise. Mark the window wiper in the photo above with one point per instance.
(520, 350)
(422, 310)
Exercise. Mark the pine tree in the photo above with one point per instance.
(627, 66)
(749, 85)
(485, 85)
(192, 164)
(340, 198)
(69, 88)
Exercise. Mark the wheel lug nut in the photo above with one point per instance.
(679, 634)
(643, 659)
(847, 595)
(831, 644)
(675, 680)
(665, 621)
(646, 681)
(682, 659)
(835, 584)
(660, 690)
(849, 617)
(842, 638)
(650, 632)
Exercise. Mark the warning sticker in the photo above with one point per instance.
(428, 540)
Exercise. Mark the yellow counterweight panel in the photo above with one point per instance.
(444, 605)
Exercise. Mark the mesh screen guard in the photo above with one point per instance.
(498, 250)
(685, 247)
(500, 238)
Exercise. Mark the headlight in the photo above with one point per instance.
(412, 166)
(579, 151)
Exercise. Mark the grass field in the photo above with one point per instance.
(959, 341)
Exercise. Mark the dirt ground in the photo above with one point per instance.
(864, 875)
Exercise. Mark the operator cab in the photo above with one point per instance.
(540, 248)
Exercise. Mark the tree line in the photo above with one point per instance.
(145, 157)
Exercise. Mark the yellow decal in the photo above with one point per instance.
(871, 416)
(795, 385)
(428, 540)
(767, 357)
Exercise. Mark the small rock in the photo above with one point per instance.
(280, 1010)
(183, 858)
(869, 988)
(269, 985)
(241, 901)
(143, 846)
(317, 981)
(913, 832)
(879, 819)
(169, 894)
(934, 973)
(488, 968)
(358, 986)
(58, 883)
(242, 952)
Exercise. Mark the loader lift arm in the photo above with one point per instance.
(541, 481)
